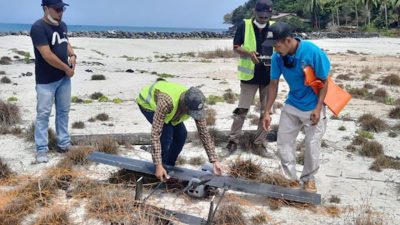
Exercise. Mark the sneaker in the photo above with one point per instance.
(41, 157)
(310, 186)
(295, 184)
(232, 146)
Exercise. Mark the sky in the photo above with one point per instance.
(143, 13)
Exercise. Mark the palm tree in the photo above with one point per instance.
(368, 5)
(396, 7)
(313, 7)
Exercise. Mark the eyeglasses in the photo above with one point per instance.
(60, 10)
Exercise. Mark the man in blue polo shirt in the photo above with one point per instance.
(303, 108)
(54, 66)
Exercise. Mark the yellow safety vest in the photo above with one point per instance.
(246, 66)
(173, 90)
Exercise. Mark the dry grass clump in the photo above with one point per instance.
(5, 80)
(98, 77)
(54, 216)
(359, 140)
(371, 123)
(52, 137)
(229, 96)
(102, 117)
(117, 205)
(181, 160)
(217, 136)
(125, 176)
(371, 149)
(197, 161)
(230, 214)
(259, 219)
(344, 77)
(210, 117)
(365, 215)
(395, 113)
(246, 142)
(107, 145)
(369, 86)
(385, 162)
(245, 169)
(9, 114)
(359, 92)
(37, 192)
(5, 60)
(334, 199)
(381, 93)
(96, 95)
(78, 125)
(218, 53)
(77, 156)
(391, 79)
(5, 171)
(253, 119)
(274, 179)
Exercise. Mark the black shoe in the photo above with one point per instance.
(231, 147)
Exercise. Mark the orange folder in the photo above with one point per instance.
(336, 98)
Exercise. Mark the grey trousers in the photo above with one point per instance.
(247, 94)
(291, 122)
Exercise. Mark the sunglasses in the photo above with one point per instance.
(59, 10)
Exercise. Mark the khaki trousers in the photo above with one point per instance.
(291, 122)
(247, 94)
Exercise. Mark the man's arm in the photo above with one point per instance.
(72, 55)
(53, 60)
(316, 113)
(238, 42)
(272, 93)
(208, 144)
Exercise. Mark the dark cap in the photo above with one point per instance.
(195, 102)
(280, 31)
(54, 3)
(264, 8)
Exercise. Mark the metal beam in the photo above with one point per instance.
(231, 183)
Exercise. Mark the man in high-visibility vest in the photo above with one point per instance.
(253, 74)
(303, 108)
(166, 105)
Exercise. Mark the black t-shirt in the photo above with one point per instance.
(56, 38)
(261, 72)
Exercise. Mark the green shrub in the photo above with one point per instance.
(117, 100)
(12, 99)
(103, 99)
(96, 95)
(213, 99)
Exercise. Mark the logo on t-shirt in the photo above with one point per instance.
(56, 37)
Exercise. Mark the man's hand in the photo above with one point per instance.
(70, 72)
(217, 167)
(315, 116)
(161, 173)
(266, 120)
(253, 56)
(72, 61)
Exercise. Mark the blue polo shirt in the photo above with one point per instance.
(307, 54)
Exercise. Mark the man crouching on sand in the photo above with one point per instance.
(166, 105)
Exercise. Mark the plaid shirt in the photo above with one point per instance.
(165, 106)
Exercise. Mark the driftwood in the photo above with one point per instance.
(144, 138)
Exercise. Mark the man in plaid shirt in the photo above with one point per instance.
(166, 105)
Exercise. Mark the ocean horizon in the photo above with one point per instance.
(18, 27)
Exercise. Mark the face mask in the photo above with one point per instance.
(259, 25)
(53, 21)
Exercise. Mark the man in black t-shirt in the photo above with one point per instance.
(54, 66)
(253, 74)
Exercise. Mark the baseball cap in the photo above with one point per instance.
(195, 101)
(264, 8)
(54, 3)
(279, 30)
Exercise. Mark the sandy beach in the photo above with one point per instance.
(343, 173)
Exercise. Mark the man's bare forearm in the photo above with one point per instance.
(272, 93)
(322, 94)
(242, 52)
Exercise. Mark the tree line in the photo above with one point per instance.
(322, 14)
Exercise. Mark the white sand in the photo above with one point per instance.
(340, 170)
